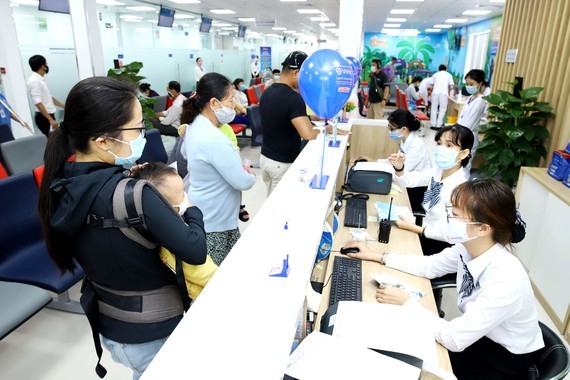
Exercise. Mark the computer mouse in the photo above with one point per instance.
(346, 251)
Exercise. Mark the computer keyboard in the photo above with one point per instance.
(346, 280)
(355, 213)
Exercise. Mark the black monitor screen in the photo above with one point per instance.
(241, 31)
(205, 25)
(166, 17)
(59, 6)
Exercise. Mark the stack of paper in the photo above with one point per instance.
(382, 209)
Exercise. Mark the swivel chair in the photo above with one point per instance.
(551, 362)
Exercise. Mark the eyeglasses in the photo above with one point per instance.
(449, 212)
(142, 128)
(393, 127)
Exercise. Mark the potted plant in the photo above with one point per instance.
(516, 133)
(129, 74)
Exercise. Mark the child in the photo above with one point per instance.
(168, 182)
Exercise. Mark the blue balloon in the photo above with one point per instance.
(325, 82)
(356, 64)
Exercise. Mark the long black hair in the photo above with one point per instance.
(211, 85)
(94, 107)
(404, 118)
(461, 136)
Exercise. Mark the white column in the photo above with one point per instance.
(88, 49)
(14, 82)
(350, 28)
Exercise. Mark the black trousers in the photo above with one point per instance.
(43, 123)
(166, 130)
(488, 360)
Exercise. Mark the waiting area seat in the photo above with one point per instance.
(154, 150)
(5, 133)
(18, 303)
(24, 257)
(24, 154)
(255, 123)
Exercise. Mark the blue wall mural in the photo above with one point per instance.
(449, 48)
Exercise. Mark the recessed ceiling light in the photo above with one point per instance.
(141, 8)
(25, 2)
(233, 28)
(185, 1)
(392, 25)
(131, 20)
(247, 19)
(109, 2)
(320, 18)
(476, 12)
(222, 11)
(220, 24)
(223, 33)
(442, 26)
(402, 11)
(456, 20)
(396, 19)
(409, 1)
(434, 30)
(183, 16)
(273, 35)
(289, 31)
(309, 11)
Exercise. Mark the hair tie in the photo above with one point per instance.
(63, 129)
(519, 228)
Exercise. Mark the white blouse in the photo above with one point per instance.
(501, 305)
(417, 156)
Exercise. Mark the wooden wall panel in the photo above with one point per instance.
(540, 31)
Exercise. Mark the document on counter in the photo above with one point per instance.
(385, 327)
(383, 207)
(388, 279)
(322, 357)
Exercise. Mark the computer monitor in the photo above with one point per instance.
(205, 25)
(166, 17)
(241, 31)
(58, 6)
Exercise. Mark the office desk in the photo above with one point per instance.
(401, 241)
(243, 324)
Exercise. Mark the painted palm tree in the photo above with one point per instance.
(367, 58)
(412, 49)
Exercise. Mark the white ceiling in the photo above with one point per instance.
(427, 13)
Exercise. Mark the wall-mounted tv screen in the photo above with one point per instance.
(241, 31)
(58, 6)
(166, 17)
(205, 25)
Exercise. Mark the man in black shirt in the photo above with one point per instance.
(378, 91)
(285, 122)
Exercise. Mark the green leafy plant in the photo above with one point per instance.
(515, 135)
(413, 49)
(349, 106)
(129, 74)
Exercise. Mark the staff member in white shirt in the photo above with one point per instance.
(170, 118)
(498, 331)
(403, 125)
(475, 106)
(425, 84)
(41, 96)
(442, 85)
(199, 71)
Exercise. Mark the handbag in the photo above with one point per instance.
(369, 177)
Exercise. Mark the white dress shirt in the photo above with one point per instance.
(417, 156)
(172, 115)
(199, 72)
(424, 85)
(500, 307)
(441, 82)
(472, 112)
(39, 92)
(435, 221)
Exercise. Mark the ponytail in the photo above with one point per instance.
(211, 85)
(190, 109)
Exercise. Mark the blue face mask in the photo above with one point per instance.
(137, 147)
(242, 87)
(445, 158)
(394, 135)
(471, 89)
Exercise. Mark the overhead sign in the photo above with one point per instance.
(511, 56)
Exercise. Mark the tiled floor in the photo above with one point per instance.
(56, 345)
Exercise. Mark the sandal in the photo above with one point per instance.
(243, 214)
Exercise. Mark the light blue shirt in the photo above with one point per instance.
(4, 113)
(216, 175)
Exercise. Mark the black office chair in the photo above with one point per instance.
(551, 362)
(255, 124)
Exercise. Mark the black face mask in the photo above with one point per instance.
(170, 95)
(47, 68)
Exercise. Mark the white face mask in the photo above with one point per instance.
(224, 114)
(182, 207)
(456, 231)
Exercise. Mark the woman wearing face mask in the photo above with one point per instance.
(216, 174)
(498, 331)
(475, 106)
(402, 125)
(451, 155)
(240, 103)
(104, 128)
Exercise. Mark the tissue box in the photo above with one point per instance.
(559, 164)
(566, 178)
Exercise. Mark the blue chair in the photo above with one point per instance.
(154, 150)
(255, 124)
(24, 257)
